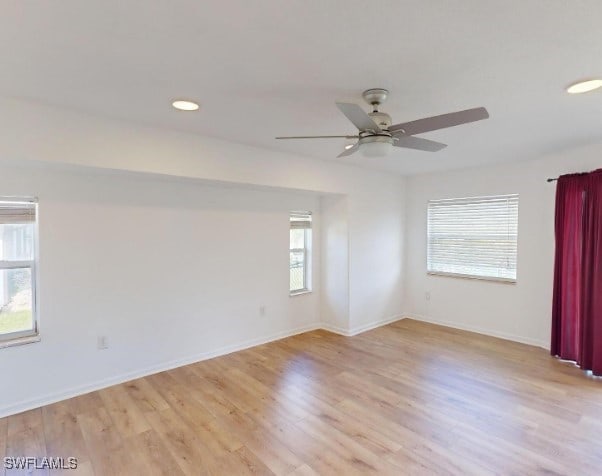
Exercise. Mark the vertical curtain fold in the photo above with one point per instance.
(577, 305)
(566, 311)
(591, 332)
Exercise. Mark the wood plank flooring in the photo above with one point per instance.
(407, 398)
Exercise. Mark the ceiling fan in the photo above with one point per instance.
(376, 134)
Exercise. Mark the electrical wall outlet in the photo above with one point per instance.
(427, 295)
(262, 310)
(102, 343)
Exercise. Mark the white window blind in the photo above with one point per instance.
(300, 220)
(473, 237)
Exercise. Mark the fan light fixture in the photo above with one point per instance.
(183, 105)
(584, 86)
(376, 149)
(377, 135)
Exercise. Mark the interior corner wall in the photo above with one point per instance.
(376, 256)
(521, 311)
(363, 258)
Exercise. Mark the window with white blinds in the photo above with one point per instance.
(473, 237)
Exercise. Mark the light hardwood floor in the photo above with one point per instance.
(407, 398)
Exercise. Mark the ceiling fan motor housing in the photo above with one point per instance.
(383, 120)
(384, 138)
(375, 97)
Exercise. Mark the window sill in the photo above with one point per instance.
(470, 276)
(300, 292)
(20, 341)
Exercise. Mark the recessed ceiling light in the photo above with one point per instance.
(185, 105)
(349, 146)
(584, 86)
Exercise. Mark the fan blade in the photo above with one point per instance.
(318, 137)
(440, 122)
(418, 143)
(358, 116)
(350, 151)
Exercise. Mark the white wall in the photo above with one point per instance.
(170, 271)
(376, 229)
(45, 138)
(522, 311)
(334, 309)
(375, 206)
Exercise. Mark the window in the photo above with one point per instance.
(18, 218)
(300, 244)
(473, 237)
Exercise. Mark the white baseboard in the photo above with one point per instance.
(480, 330)
(335, 329)
(359, 329)
(153, 369)
(373, 325)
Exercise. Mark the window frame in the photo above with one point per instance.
(27, 336)
(500, 279)
(306, 250)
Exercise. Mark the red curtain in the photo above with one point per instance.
(577, 306)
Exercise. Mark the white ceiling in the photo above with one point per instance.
(263, 68)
